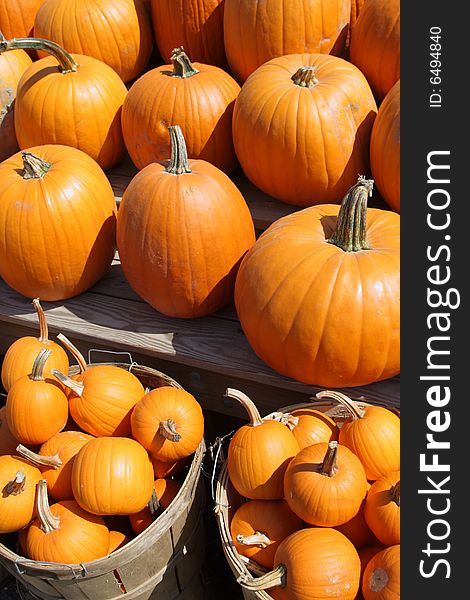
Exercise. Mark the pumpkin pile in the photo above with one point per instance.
(77, 451)
(318, 512)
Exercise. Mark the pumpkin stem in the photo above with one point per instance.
(43, 329)
(74, 351)
(329, 467)
(76, 386)
(350, 405)
(47, 520)
(179, 162)
(154, 503)
(259, 539)
(38, 460)
(182, 66)
(168, 430)
(37, 372)
(396, 493)
(275, 578)
(248, 405)
(65, 60)
(305, 77)
(34, 167)
(290, 420)
(351, 225)
(16, 486)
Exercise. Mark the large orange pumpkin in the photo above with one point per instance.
(12, 66)
(19, 357)
(37, 406)
(257, 31)
(54, 193)
(325, 484)
(17, 17)
(375, 44)
(318, 294)
(197, 97)
(385, 148)
(301, 127)
(102, 399)
(259, 453)
(182, 231)
(112, 476)
(381, 580)
(64, 532)
(168, 422)
(196, 25)
(117, 32)
(50, 106)
(318, 563)
(18, 481)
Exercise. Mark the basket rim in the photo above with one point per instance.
(146, 538)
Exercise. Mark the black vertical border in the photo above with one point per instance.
(423, 130)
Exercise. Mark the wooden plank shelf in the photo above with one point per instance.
(206, 355)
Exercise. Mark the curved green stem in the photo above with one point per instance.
(66, 62)
(179, 162)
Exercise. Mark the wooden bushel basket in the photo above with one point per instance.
(227, 500)
(162, 563)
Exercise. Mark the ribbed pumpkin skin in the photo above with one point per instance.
(381, 579)
(162, 404)
(356, 529)
(17, 17)
(258, 458)
(313, 427)
(375, 439)
(385, 148)
(8, 442)
(181, 238)
(49, 108)
(81, 537)
(36, 410)
(66, 444)
(381, 512)
(17, 511)
(319, 499)
(12, 66)
(74, 205)
(257, 31)
(157, 100)
(375, 44)
(304, 146)
(116, 32)
(316, 330)
(166, 490)
(197, 25)
(112, 476)
(321, 564)
(274, 518)
(108, 399)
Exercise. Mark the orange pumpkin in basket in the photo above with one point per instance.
(382, 508)
(381, 579)
(165, 492)
(18, 481)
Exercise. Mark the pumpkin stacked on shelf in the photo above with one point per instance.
(61, 485)
(311, 519)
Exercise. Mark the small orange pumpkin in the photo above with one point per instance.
(259, 526)
(36, 406)
(165, 492)
(20, 356)
(381, 579)
(382, 508)
(259, 453)
(18, 481)
(325, 484)
(311, 426)
(168, 422)
(112, 476)
(64, 532)
(55, 460)
(102, 399)
(372, 433)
